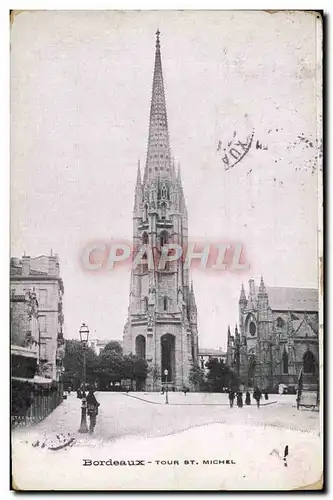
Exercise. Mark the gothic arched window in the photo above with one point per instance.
(164, 238)
(145, 303)
(165, 303)
(285, 363)
(145, 212)
(144, 263)
(163, 210)
(164, 192)
(309, 362)
(145, 239)
(252, 328)
(280, 323)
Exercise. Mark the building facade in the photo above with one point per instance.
(162, 313)
(36, 313)
(277, 335)
(24, 327)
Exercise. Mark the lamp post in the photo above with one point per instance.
(84, 335)
(166, 388)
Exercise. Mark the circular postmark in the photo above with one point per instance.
(235, 141)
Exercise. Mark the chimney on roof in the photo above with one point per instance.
(53, 268)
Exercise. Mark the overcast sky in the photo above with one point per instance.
(80, 96)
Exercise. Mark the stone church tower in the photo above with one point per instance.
(162, 313)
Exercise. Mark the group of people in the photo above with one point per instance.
(257, 395)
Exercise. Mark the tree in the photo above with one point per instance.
(73, 364)
(219, 374)
(196, 376)
(136, 369)
(113, 345)
(110, 367)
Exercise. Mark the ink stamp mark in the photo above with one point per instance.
(235, 150)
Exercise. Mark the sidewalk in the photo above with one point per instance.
(65, 419)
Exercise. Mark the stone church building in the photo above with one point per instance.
(277, 335)
(162, 314)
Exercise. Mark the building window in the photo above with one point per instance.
(42, 297)
(144, 263)
(163, 210)
(280, 323)
(165, 303)
(145, 303)
(309, 362)
(145, 239)
(145, 212)
(252, 328)
(164, 238)
(285, 363)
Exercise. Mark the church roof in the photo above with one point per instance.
(294, 299)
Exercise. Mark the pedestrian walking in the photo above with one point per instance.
(231, 398)
(185, 390)
(266, 396)
(257, 396)
(247, 398)
(92, 409)
(239, 399)
(78, 394)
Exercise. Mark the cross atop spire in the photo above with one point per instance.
(158, 163)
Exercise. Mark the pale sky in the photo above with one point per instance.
(80, 95)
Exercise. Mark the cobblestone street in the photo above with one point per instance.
(213, 431)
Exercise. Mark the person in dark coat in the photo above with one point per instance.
(239, 399)
(247, 398)
(266, 395)
(92, 409)
(257, 396)
(231, 398)
(78, 394)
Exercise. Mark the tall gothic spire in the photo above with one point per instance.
(158, 163)
(252, 302)
(192, 296)
(262, 288)
(242, 298)
(138, 189)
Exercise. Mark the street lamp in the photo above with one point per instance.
(166, 389)
(84, 335)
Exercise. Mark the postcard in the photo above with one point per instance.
(166, 271)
